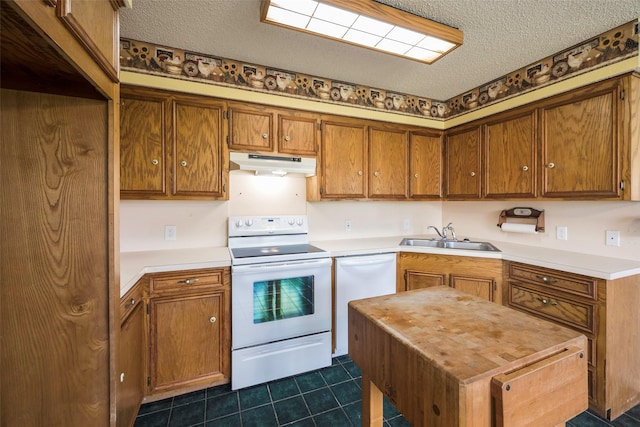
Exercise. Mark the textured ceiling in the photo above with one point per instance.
(500, 36)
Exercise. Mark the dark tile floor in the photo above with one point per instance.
(329, 397)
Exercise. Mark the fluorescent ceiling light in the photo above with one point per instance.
(366, 23)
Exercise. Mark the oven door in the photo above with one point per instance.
(276, 301)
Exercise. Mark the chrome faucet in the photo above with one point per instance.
(443, 234)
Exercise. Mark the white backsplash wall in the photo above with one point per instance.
(586, 224)
(266, 195)
(198, 224)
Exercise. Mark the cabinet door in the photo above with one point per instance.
(297, 135)
(480, 287)
(580, 145)
(463, 164)
(142, 145)
(131, 353)
(343, 160)
(250, 128)
(187, 340)
(509, 157)
(422, 279)
(198, 148)
(425, 166)
(387, 163)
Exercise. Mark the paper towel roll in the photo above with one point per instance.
(512, 227)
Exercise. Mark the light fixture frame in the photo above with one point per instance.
(387, 14)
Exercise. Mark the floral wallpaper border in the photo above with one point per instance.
(612, 46)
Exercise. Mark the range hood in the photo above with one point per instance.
(272, 165)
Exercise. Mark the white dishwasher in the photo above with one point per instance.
(359, 277)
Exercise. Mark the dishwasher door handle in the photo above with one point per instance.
(358, 263)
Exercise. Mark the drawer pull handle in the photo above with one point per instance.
(546, 301)
(188, 281)
(212, 319)
(130, 303)
(546, 279)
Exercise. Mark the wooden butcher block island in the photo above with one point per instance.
(446, 358)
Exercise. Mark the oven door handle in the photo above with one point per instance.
(280, 265)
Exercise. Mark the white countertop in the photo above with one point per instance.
(133, 265)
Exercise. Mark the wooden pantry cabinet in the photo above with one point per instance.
(268, 130)
(189, 331)
(481, 277)
(172, 146)
(605, 311)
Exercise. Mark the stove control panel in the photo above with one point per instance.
(267, 225)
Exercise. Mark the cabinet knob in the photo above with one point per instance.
(359, 173)
(130, 303)
(183, 163)
(188, 281)
(287, 138)
(376, 173)
(265, 135)
(525, 168)
(415, 175)
(212, 319)
(472, 174)
(546, 279)
(154, 162)
(551, 165)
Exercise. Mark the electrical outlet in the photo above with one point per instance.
(612, 238)
(347, 225)
(170, 232)
(406, 224)
(561, 233)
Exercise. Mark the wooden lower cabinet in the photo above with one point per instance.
(189, 331)
(476, 276)
(605, 311)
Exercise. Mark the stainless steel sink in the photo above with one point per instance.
(450, 244)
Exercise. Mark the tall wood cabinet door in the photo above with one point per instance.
(425, 166)
(343, 160)
(388, 157)
(250, 128)
(463, 164)
(298, 135)
(142, 145)
(580, 145)
(131, 355)
(510, 157)
(479, 287)
(198, 132)
(186, 340)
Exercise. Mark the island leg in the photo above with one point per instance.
(372, 414)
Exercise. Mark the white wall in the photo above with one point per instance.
(201, 224)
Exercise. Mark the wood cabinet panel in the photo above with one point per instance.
(480, 287)
(195, 280)
(132, 353)
(580, 144)
(388, 158)
(510, 157)
(250, 128)
(415, 279)
(142, 144)
(298, 134)
(186, 340)
(344, 160)
(463, 166)
(425, 165)
(198, 148)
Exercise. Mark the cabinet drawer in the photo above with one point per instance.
(185, 281)
(577, 315)
(132, 298)
(553, 279)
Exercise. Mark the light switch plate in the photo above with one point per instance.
(562, 233)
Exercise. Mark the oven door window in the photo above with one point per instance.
(282, 299)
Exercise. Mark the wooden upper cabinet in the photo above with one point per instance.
(95, 26)
(344, 159)
(198, 131)
(462, 160)
(261, 129)
(251, 128)
(580, 143)
(142, 144)
(425, 165)
(510, 157)
(298, 134)
(388, 159)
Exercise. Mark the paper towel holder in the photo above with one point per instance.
(523, 213)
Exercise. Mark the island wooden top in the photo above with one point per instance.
(466, 336)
